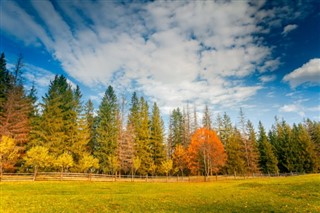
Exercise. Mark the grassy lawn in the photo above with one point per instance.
(283, 194)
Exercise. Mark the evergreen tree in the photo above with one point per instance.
(305, 155)
(313, 128)
(61, 127)
(252, 149)
(177, 128)
(225, 128)
(281, 139)
(235, 157)
(90, 122)
(107, 130)
(4, 81)
(128, 149)
(51, 131)
(195, 124)
(157, 136)
(268, 160)
(206, 120)
(142, 141)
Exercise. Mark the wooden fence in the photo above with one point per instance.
(57, 176)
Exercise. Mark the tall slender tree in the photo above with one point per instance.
(142, 141)
(107, 130)
(157, 136)
(235, 161)
(268, 160)
(206, 120)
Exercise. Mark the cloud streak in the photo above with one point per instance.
(289, 28)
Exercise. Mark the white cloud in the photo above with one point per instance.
(289, 28)
(267, 78)
(308, 73)
(293, 108)
(175, 52)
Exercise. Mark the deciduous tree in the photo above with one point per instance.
(8, 153)
(38, 158)
(206, 152)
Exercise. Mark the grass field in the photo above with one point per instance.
(283, 194)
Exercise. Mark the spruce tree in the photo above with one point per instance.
(142, 141)
(206, 120)
(157, 136)
(313, 128)
(90, 122)
(252, 148)
(225, 128)
(107, 130)
(235, 157)
(305, 155)
(268, 160)
(4, 81)
(281, 139)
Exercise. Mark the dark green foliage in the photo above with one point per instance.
(176, 131)
(306, 160)
(90, 121)
(268, 160)
(5, 81)
(107, 129)
(313, 128)
(224, 128)
(157, 136)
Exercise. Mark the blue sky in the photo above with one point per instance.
(263, 56)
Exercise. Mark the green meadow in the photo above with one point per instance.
(280, 194)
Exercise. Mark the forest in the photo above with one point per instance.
(63, 133)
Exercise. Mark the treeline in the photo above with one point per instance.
(63, 133)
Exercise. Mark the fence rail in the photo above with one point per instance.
(57, 176)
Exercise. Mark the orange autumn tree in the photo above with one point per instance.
(206, 152)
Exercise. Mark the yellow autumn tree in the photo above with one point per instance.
(8, 152)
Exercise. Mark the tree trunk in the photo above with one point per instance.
(1, 171)
(35, 173)
(61, 174)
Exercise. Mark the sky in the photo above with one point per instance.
(262, 56)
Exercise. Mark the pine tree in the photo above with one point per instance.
(142, 140)
(235, 161)
(313, 128)
(206, 120)
(305, 155)
(248, 144)
(128, 148)
(268, 160)
(90, 123)
(252, 148)
(225, 128)
(281, 139)
(4, 81)
(157, 136)
(177, 128)
(195, 124)
(52, 128)
(107, 130)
